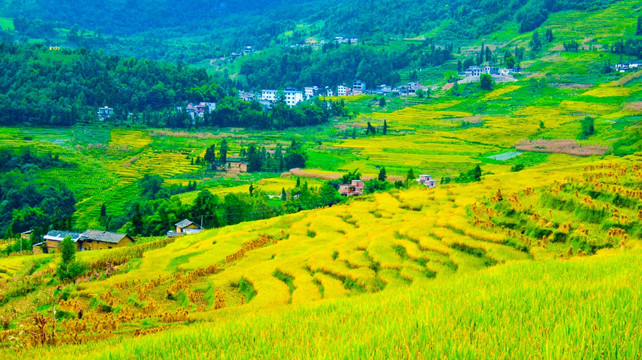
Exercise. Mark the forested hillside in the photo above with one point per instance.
(217, 27)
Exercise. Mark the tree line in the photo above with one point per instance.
(27, 202)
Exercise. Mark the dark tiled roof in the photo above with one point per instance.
(60, 235)
(183, 224)
(102, 236)
(234, 160)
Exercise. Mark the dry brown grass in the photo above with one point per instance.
(635, 106)
(571, 86)
(560, 146)
(184, 134)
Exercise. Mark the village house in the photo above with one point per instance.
(342, 90)
(293, 97)
(427, 180)
(100, 240)
(236, 163)
(383, 89)
(358, 87)
(269, 95)
(199, 109)
(53, 238)
(473, 71)
(491, 70)
(624, 67)
(246, 96)
(311, 91)
(105, 113)
(26, 234)
(356, 187)
(185, 227)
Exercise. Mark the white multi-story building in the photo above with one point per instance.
(310, 92)
(293, 97)
(104, 113)
(342, 90)
(269, 95)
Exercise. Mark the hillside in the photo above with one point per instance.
(417, 244)
(529, 246)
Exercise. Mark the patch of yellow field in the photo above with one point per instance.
(135, 139)
(587, 107)
(418, 116)
(497, 94)
(608, 91)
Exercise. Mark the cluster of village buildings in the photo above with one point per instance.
(357, 187)
(99, 239)
(631, 66)
(292, 96)
(309, 42)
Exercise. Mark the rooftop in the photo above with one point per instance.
(58, 235)
(103, 236)
(185, 223)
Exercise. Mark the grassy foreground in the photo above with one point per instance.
(580, 308)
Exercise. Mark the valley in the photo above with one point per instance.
(475, 218)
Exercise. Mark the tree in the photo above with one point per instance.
(477, 173)
(536, 43)
(486, 82)
(137, 220)
(489, 54)
(382, 174)
(638, 31)
(420, 93)
(295, 157)
(410, 177)
(69, 268)
(385, 127)
(588, 127)
(284, 196)
(151, 186)
(510, 62)
(210, 155)
(382, 102)
(223, 152)
(251, 189)
(370, 129)
(549, 35)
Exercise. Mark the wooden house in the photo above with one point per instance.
(100, 240)
(53, 238)
(236, 163)
(26, 234)
(187, 227)
(38, 248)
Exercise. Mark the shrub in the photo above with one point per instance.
(246, 289)
(517, 167)
(559, 237)
(65, 315)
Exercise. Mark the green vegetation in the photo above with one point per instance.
(539, 202)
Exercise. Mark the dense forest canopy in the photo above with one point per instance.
(215, 27)
(64, 87)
